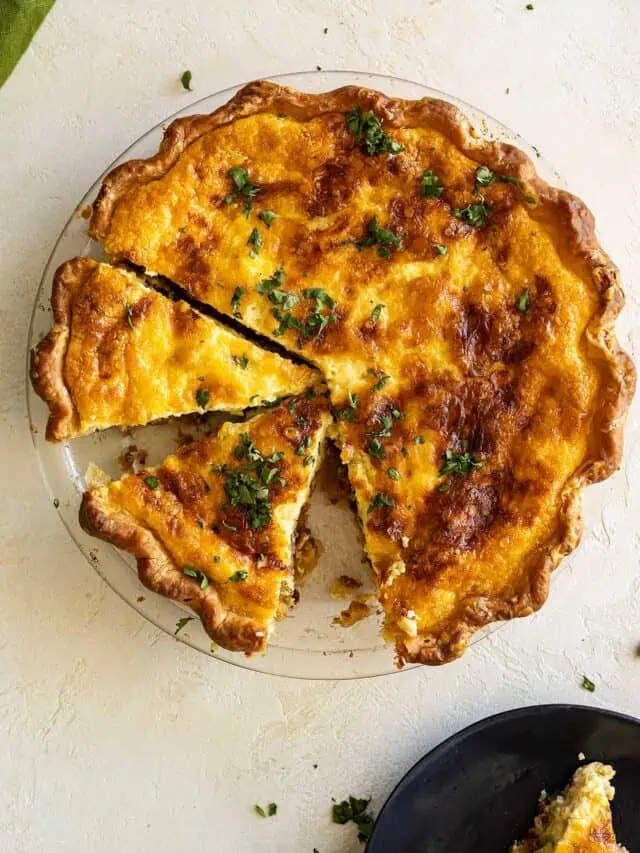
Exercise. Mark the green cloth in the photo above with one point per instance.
(19, 21)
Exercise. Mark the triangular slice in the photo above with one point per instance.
(579, 819)
(213, 525)
(123, 354)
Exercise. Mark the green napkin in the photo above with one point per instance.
(19, 21)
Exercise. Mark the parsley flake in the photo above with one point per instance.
(459, 464)
(238, 293)
(186, 81)
(202, 397)
(382, 378)
(587, 684)
(439, 249)
(256, 242)
(393, 473)
(523, 302)
(151, 482)
(376, 449)
(485, 177)
(354, 809)
(56, 503)
(474, 214)
(430, 184)
(241, 360)
(381, 237)
(380, 500)
(303, 446)
(271, 810)
(243, 186)
(128, 312)
(267, 216)
(347, 413)
(375, 314)
(367, 129)
(181, 623)
(237, 577)
(196, 574)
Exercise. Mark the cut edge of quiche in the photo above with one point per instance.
(213, 526)
(576, 245)
(121, 353)
(579, 819)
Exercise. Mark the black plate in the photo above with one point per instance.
(477, 792)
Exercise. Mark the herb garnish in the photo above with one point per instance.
(244, 186)
(523, 302)
(56, 503)
(308, 460)
(241, 360)
(303, 446)
(237, 577)
(376, 449)
(181, 623)
(186, 81)
(383, 238)
(419, 439)
(256, 242)
(375, 314)
(393, 473)
(128, 312)
(380, 500)
(382, 378)
(202, 397)
(367, 129)
(439, 249)
(473, 214)
(267, 216)
(587, 684)
(348, 413)
(151, 482)
(238, 293)
(386, 423)
(485, 177)
(272, 808)
(458, 463)
(197, 575)
(430, 184)
(355, 810)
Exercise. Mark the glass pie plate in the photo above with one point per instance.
(307, 643)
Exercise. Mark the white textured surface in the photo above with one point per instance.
(114, 737)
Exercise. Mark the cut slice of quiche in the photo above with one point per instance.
(460, 309)
(578, 820)
(213, 525)
(123, 354)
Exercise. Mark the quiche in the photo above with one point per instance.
(578, 820)
(459, 308)
(122, 354)
(213, 525)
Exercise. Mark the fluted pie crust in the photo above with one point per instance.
(488, 389)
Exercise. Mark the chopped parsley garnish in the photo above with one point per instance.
(237, 577)
(439, 249)
(256, 242)
(380, 500)
(386, 423)
(267, 285)
(321, 297)
(430, 184)
(376, 449)
(241, 360)
(267, 216)
(367, 129)
(355, 810)
(485, 177)
(393, 473)
(529, 7)
(270, 811)
(348, 413)
(404, 451)
(186, 81)
(382, 378)
(202, 397)
(375, 314)
(181, 623)
(474, 214)
(128, 313)
(238, 293)
(151, 482)
(56, 503)
(303, 446)
(308, 460)
(458, 463)
(419, 439)
(523, 302)
(196, 574)
(243, 186)
(383, 238)
(587, 684)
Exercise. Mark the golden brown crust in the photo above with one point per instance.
(576, 244)
(47, 359)
(158, 572)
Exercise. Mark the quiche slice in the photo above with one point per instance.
(460, 309)
(578, 820)
(123, 354)
(213, 525)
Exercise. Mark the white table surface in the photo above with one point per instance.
(112, 735)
